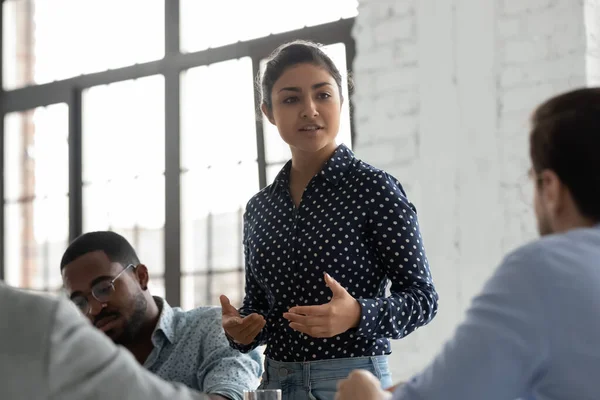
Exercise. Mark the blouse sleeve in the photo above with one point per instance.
(395, 236)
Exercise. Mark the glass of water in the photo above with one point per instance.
(267, 394)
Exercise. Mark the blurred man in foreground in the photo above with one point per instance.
(49, 351)
(534, 331)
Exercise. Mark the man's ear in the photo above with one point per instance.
(552, 191)
(141, 272)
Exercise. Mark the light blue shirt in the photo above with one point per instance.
(533, 333)
(190, 347)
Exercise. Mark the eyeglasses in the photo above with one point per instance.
(101, 291)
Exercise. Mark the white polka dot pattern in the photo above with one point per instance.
(355, 223)
(190, 347)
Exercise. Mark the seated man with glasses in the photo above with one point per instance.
(104, 278)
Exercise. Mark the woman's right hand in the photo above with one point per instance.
(243, 330)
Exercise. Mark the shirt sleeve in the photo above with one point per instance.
(395, 236)
(255, 298)
(499, 348)
(225, 371)
(84, 364)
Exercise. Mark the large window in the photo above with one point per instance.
(45, 41)
(151, 132)
(36, 204)
(123, 166)
(206, 24)
(219, 174)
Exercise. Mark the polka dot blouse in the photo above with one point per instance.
(355, 223)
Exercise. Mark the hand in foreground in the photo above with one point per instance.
(243, 330)
(340, 314)
(392, 389)
(361, 385)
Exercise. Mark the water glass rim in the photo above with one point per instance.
(270, 394)
(262, 390)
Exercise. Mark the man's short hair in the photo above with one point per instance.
(115, 246)
(565, 138)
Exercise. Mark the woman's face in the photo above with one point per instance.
(306, 107)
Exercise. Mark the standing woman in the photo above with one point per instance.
(321, 244)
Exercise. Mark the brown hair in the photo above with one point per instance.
(565, 138)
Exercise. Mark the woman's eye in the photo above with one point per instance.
(289, 100)
(324, 95)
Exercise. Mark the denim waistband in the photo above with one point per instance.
(302, 372)
(350, 362)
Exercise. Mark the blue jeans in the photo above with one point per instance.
(317, 380)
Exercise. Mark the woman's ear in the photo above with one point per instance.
(268, 113)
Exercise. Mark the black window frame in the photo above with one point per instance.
(173, 63)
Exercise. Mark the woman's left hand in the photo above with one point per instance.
(342, 312)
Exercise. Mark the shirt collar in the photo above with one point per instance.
(338, 164)
(165, 321)
(333, 170)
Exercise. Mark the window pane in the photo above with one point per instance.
(135, 208)
(124, 204)
(36, 153)
(272, 171)
(38, 236)
(124, 130)
(212, 24)
(194, 291)
(226, 239)
(223, 193)
(157, 286)
(230, 284)
(276, 150)
(337, 52)
(203, 290)
(218, 119)
(222, 234)
(43, 44)
(217, 190)
(148, 244)
(195, 237)
(36, 196)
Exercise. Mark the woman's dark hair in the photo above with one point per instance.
(565, 138)
(290, 54)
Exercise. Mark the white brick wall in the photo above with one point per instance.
(592, 18)
(555, 63)
(444, 90)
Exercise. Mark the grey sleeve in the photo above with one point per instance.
(84, 364)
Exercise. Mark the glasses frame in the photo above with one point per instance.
(101, 299)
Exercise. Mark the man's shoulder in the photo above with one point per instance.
(556, 248)
(198, 313)
(569, 256)
(23, 307)
(200, 319)
(27, 322)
